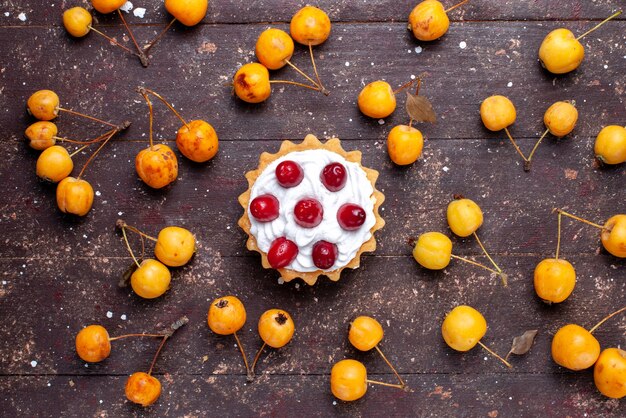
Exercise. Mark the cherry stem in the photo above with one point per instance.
(490, 351)
(169, 106)
(486, 253)
(317, 76)
(123, 224)
(78, 150)
(295, 83)
(456, 5)
(519, 151)
(299, 71)
(172, 329)
(140, 54)
(143, 246)
(113, 41)
(558, 236)
(405, 86)
(256, 358)
(243, 354)
(569, 215)
(393, 369)
(391, 385)
(607, 318)
(530, 156)
(136, 335)
(147, 47)
(83, 142)
(156, 355)
(145, 96)
(614, 15)
(130, 250)
(73, 112)
(95, 153)
(475, 264)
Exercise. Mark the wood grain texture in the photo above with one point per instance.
(60, 273)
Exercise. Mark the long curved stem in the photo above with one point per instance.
(569, 215)
(156, 355)
(319, 80)
(456, 5)
(530, 156)
(139, 232)
(517, 148)
(166, 103)
(78, 150)
(113, 41)
(490, 351)
(393, 369)
(391, 385)
(295, 83)
(130, 250)
(406, 86)
(474, 263)
(595, 327)
(256, 358)
(147, 47)
(614, 15)
(95, 153)
(136, 335)
(558, 236)
(482, 247)
(299, 71)
(140, 54)
(75, 113)
(243, 354)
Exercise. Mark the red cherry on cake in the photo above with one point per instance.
(324, 254)
(282, 252)
(351, 216)
(308, 213)
(334, 176)
(264, 208)
(289, 174)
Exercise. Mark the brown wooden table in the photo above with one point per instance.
(60, 273)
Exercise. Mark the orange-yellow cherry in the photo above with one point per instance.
(92, 344)
(609, 373)
(157, 166)
(348, 380)
(77, 21)
(365, 333)
(252, 83)
(575, 348)
(142, 388)
(41, 135)
(613, 235)
(107, 6)
(429, 21)
(377, 100)
(433, 250)
(610, 145)
(197, 141)
(310, 26)
(151, 279)
(276, 328)
(175, 246)
(554, 280)
(404, 144)
(226, 315)
(187, 12)
(561, 118)
(497, 113)
(274, 48)
(464, 217)
(463, 328)
(54, 164)
(74, 196)
(43, 104)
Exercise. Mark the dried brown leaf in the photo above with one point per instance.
(523, 343)
(125, 278)
(420, 109)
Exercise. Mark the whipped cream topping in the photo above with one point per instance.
(358, 190)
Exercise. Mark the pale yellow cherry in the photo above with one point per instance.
(404, 144)
(464, 217)
(560, 52)
(433, 250)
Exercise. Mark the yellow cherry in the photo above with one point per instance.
(41, 135)
(433, 250)
(377, 100)
(274, 48)
(560, 52)
(151, 279)
(197, 141)
(609, 373)
(92, 344)
(77, 21)
(252, 83)
(276, 328)
(54, 164)
(497, 113)
(348, 380)
(554, 280)
(365, 333)
(560, 118)
(43, 105)
(613, 235)
(107, 6)
(463, 328)
(175, 246)
(574, 348)
(187, 12)
(74, 196)
(464, 217)
(157, 166)
(429, 20)
(310, 26)
(610, 145)
(226, 315)
(404, 144)
(142, 388)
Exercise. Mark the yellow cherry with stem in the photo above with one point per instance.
(348, 380)
(366, 333)
(196, 140)
(560, 119)
(561, 52)
(276, 329)
(143, 388)
(43, 134)
(274, 49)
(463, 328)
(404, 142)
(378, 100)
(610, 145)
(498, 113)
(226, 316)
(575, 348)
(429, 20)
(433, 250)
(252, 83)
(311, 26)
(156, 165)
(612, 234)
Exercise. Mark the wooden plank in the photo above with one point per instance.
(225, 11)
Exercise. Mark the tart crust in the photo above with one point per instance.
(311, 142)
